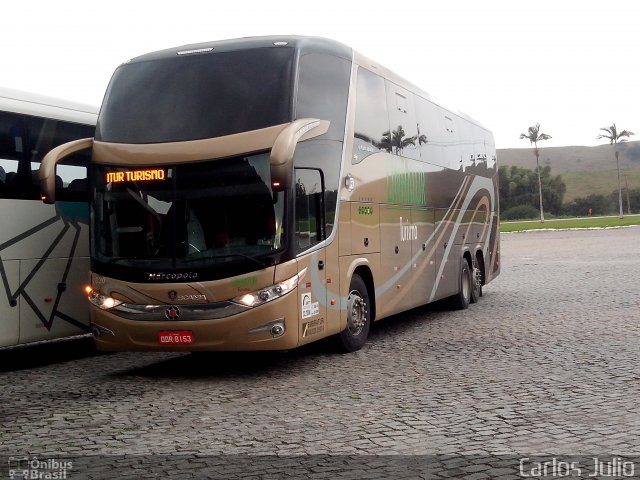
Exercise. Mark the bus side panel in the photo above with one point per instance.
(478, 227)
(447, 257)
(312, 297)
(41, 240)
(9, 316)
(365, 228)
(52, 304)
(492, 262)
(395, 260)
(333, 283)
(423, 254)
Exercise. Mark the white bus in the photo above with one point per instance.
(44, 249)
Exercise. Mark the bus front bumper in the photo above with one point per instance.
(272, 326)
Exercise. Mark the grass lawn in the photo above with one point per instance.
(581, 184)
(556, 224)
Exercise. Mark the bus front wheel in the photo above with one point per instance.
(355, 335)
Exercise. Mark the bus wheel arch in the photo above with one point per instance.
(462, 299)
(365, 274)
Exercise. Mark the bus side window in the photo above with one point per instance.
(310, 214)
(24, 141)
(430, 138)
(8, 172)
(403, 135)
(372, 121)
(73, 185)
(11, 152)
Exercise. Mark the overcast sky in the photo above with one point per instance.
(572, 66)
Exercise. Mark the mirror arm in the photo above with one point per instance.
(285, 146)
(47, 171)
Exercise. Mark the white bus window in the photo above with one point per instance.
(8, 171)
(24, 141)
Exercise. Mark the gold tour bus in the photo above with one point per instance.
(263, 193)
(44, 249)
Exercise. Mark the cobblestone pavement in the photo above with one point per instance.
(547, 363)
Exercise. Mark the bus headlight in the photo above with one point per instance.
(272, 292)
(103, 302)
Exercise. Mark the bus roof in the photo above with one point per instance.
(375, 67)
(304, 44)
(43, 106)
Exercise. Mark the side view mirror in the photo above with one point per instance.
(285, 146)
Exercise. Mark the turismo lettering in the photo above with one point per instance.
(136, 175)
(408, 232)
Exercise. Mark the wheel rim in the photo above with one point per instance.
(477, 279)
(466, 287)
(356, 313)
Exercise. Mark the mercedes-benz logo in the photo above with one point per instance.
(172, 313)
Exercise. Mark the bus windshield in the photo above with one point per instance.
(198, 215)
(200, 96)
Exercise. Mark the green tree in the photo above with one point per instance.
(518, 188)
(614, 137)
(553, 190)
(534, 136)
(597, 204)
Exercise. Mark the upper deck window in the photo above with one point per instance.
(193, 97)
(372, 119)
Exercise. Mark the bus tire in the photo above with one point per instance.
(476, 283)
(354, 336)
(461, 300)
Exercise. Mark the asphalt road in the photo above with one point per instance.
(547, 364)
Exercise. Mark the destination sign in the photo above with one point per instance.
(146, 175)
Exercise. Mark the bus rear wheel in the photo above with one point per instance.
(476, 283)
(461, 300)
(355, 335)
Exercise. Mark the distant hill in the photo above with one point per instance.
(585, 170)
(573, 159)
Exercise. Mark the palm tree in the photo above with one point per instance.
(422, 138)
(534, 136)
(614, 137)
(396, 141)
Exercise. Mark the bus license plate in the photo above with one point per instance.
(175, 338)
